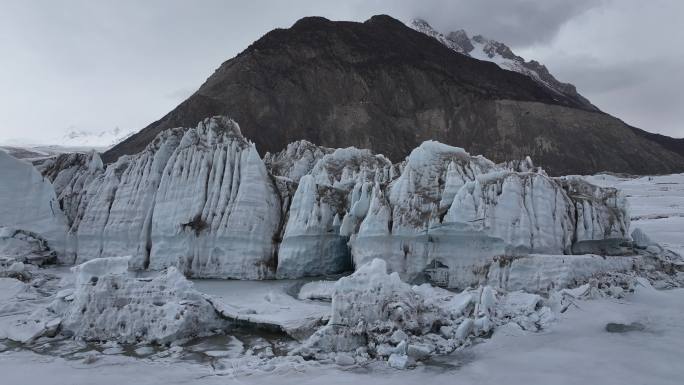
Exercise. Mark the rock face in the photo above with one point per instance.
(28, 202)
(383, 86)
(203, 201)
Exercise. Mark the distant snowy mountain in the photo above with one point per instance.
(481, 48)
(71, 141)
(71, 138)
(92, 139)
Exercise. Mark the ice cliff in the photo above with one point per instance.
(28, 202)
(202, 200)
(329, 199)
(198, 199)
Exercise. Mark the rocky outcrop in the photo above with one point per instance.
(383, 86)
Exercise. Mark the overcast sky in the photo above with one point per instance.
(96, 65)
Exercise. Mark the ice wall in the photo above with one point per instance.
(202, 200)
(28, 202)
(321, 216)
(216, 210)
(199, 199)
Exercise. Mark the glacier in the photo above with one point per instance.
(202, 200)
(516, 249)
(198, 199)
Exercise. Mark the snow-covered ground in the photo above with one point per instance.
(577, 350)
(656, 205)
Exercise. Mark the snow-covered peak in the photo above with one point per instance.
(91, 139)
(71, 141)
(482, 48)
(457, 44)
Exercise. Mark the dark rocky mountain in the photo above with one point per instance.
(384, 86)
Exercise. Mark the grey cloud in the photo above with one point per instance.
(594, 77)
(516, 22)
(100, 64)
(644, 93)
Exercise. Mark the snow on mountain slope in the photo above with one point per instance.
(82, 142)
(71, 140)
(481, 48)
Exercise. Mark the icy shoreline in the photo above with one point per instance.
(575, 350)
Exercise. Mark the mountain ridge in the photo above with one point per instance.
(482, 48)
(384, 86)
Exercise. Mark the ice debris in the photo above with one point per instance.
(375, 315)
(108, 304)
